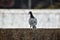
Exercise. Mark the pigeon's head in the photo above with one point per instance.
(31, 15)
(30, 12)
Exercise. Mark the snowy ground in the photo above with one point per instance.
(19, 18)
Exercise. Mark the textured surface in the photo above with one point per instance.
(28, 34)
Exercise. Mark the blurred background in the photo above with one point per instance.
(30, 4)
(42, 4)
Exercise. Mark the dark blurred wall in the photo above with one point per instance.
(17, 4)
(13, 3)
(41, 4)
(6, 3)
(35, 4)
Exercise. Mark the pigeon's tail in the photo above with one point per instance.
(34, 27)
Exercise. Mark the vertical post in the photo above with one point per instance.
(21, 3)
(29, 4)
(51, 2)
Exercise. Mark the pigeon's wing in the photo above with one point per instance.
(35, 21)
(32, 21)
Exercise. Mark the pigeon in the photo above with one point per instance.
(32, 21)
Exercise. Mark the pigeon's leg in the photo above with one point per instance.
(34, 28)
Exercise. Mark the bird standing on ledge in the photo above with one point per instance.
(32, 21)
